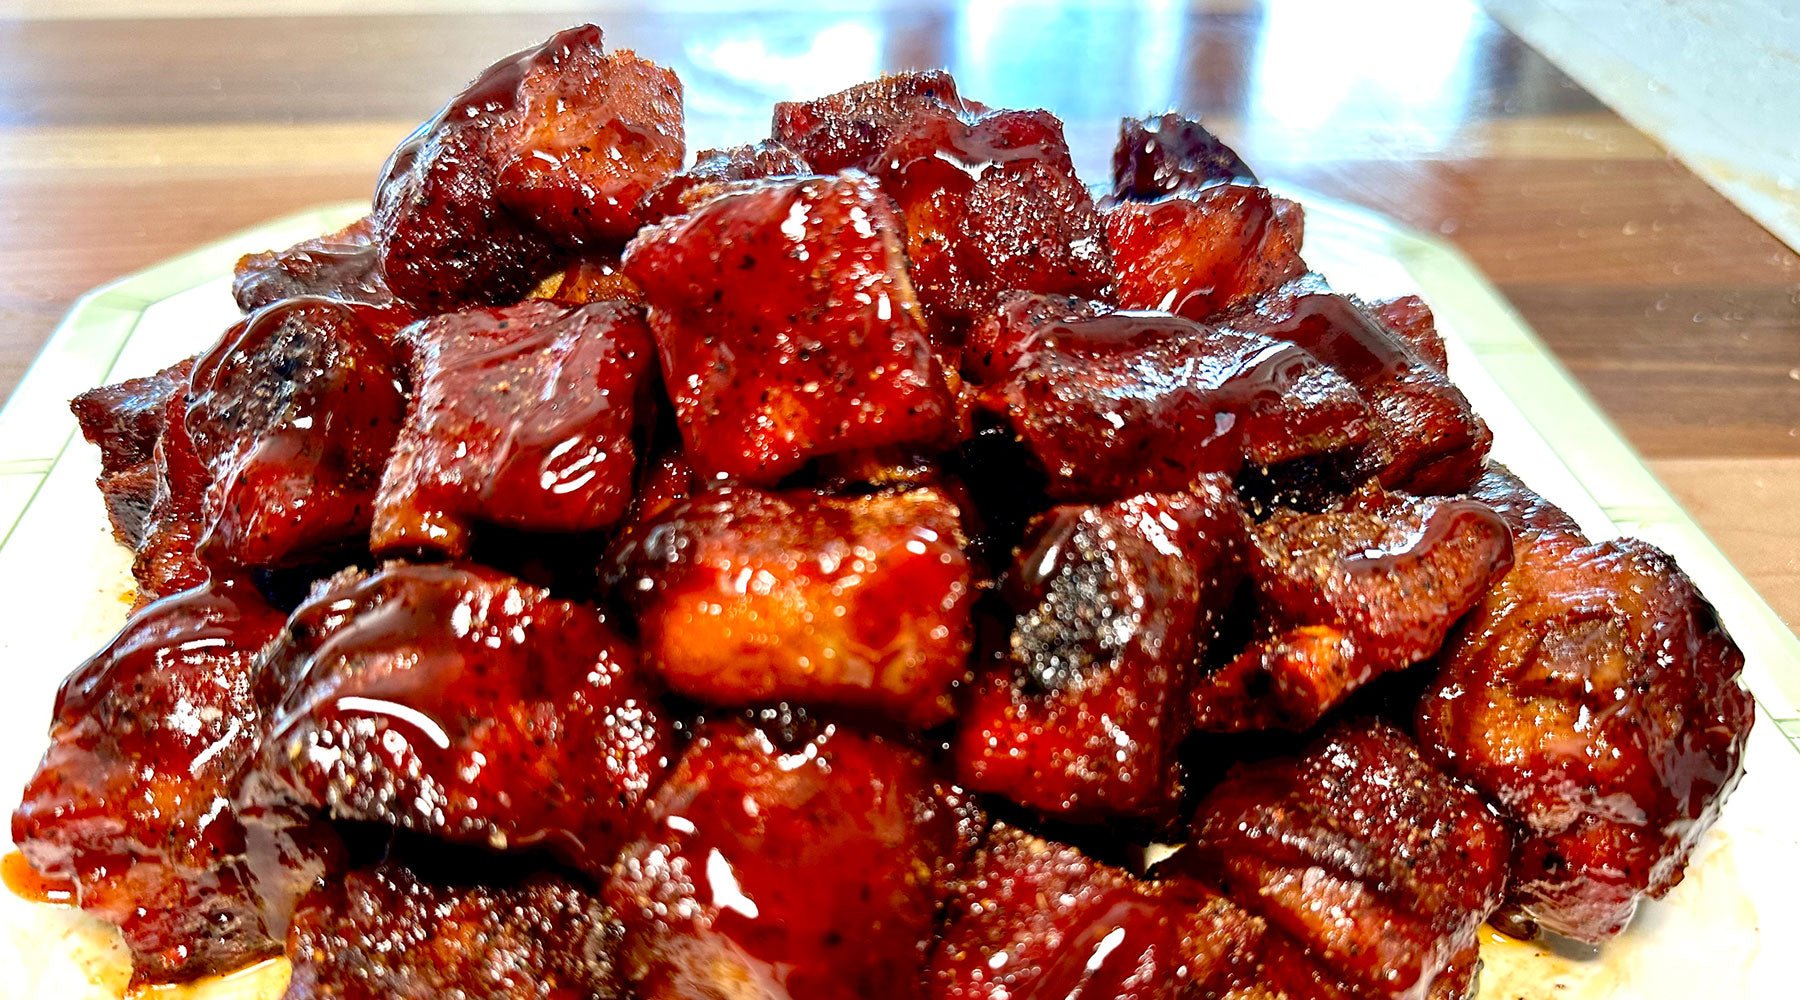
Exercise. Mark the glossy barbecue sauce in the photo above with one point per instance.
(1338, 333)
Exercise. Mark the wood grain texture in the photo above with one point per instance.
(125, 139)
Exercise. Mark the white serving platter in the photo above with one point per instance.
(1730, 930)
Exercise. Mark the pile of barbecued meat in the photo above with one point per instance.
(825, 570)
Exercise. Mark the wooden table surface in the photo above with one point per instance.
(124, 141)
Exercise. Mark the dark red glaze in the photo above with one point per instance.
(129, 805)
(788, 327)
(387, 934)
(1593, 697)
(342, 265)
(1080, 714)
(744, 597)
(1111, 404)
(1037, 920)
(1427, 437)
(991, 204)
(458, 702)
(1169, 153)
(1379, 867)
(1201, 253)
(1410, 319)
(810, 870)
(594, 134)
(1347, 595)
(445, 242)
(293, 413)
(526, 417)
(849, 129)
(715, 170)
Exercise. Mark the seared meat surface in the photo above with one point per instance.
(1593, 697)
(1371, 868)
(1079, 711)
(387, 934)
(836, 568)
(1347, 595)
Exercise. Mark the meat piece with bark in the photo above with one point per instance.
(1427, 438)
(386, 933)
(806, 866)
(457, 702)
(342, 265)
(744, 597)
(1347, 595)
(991, 204)
(147, 740)
(1202, 252)
(127, 421)
(1593, 697)
(1038, 919)
(1160, 156)
(549, 150)
(788, 328)
(1372, 869)
(1077, 713)
(715, 170)
(1110, 404)
(850, 129)
(293, 414)
(525, 417)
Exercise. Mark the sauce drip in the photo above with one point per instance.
(25, 882)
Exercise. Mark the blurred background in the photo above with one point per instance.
(1625, 172)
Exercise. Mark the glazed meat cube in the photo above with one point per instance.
(849, 129)
(553, 147)
(1110, 404)
(1079, 715)
(524, 417)
(293, 413)
(445, 242)
(388, 934)
(342, 265)
(1524, 511)
(595, 133)
(1201, 253)
(745, 597)
(1038, 919)
(991, 203)
(148, 738)
(714, 170)
(776, 870)
(1593, 697)
(1378, 866)
(1160, 156)
(788, 328)
(1349, 594)
(1427, 437)
(1410, 319)
(458, 702)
